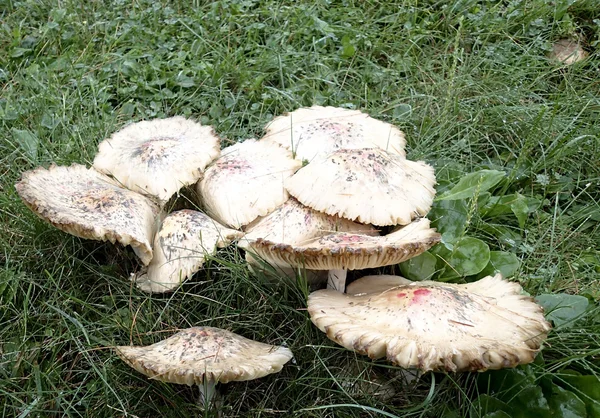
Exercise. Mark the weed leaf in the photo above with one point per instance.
(473, 183)
(563, 309)
(418, 268)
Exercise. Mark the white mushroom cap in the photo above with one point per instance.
(158, 157)
(568, 52)
(314, 132)
(371, 186)
(351, 251)
(246, 182)
(181, 245)
(205, 354)
(90, 205)
(436, 326)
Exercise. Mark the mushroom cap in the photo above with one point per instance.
(200, 354)
(314, 132)
(90, 205)
(351, 251)
(158, 157)
(370, 186)
(181, 245)
(436, 326)
(294, 223)
(246, 182)
(568, 52)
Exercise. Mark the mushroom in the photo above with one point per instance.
(293, 223)
(205, 356)
(246, 182)
(314, 132)
(568, 52)
(158, 157)
(90, 205)
(184, 240)
(371, 186)
(341, 251)
(434, 326)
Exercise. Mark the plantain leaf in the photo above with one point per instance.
(472, 184)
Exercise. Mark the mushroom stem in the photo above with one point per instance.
(336, 280)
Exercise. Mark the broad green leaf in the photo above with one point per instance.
(449, 217)
(497, 414)
(510, 237)
(530, 402)
(503, 262)
(486, 405)
(521, 210)
(563, 309)
(28, 143)
(348, 50)
(565, 404)
(469, 256)
(587, 388)
(418, 268)
(472, 184)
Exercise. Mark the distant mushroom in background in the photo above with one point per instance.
(181, 245)
(314, 132)
(246, 182)
(159, 156)
(205, 356)
(88, 204)
(484, 325)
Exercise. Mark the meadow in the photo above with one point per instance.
(471, 84)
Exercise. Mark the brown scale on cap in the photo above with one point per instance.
(199, 354)
(432, 325)
(90, 205)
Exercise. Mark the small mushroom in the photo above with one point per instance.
(205, 356)
(246, 182)
(371, 186)
(484, 325)
(341, 251)
(314, 132)
(158, 157)
(90, 205)
(568, 52)
(184, 240)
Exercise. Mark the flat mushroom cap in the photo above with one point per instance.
(314, 132)
(205, 354)
(351, 251)
(181, 245)
(370, 186)
(436, 326)
(158, 157)
(246, 182)
(90, 205)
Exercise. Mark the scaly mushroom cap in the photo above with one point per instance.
(90, 205)
(294, 223)
(185, 238)
(314, 132)
(351, 251)
(246, 182)
(436, 326)
(370, 186)
(158, 157)
(200, 354)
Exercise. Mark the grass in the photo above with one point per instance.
(469, 83)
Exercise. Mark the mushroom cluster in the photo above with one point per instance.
(314, 194)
